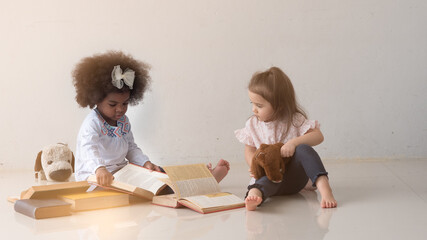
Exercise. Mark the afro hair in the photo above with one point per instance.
(92, 78)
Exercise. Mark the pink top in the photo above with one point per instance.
(257, 132)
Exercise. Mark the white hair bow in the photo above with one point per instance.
(118, 77)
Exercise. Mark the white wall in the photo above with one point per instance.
(359, 67)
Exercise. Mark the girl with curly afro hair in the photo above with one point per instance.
(107, 83)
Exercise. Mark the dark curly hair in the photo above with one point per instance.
(92, 78)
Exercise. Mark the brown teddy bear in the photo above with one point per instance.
(54, 163)
(267, 161)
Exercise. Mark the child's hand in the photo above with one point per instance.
(152, 166)
(104, 177)
(288, 149)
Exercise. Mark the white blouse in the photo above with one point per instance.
(100, 144)
(257, 132)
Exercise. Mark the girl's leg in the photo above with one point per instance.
(315, 170)
(253, 199)
(328, 200)
(305, 165)
(259, 191)
(294, 179)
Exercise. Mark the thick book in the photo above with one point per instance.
(43, 208)
(136, 180)
(195, 187)
(95, 200)
(53, 190)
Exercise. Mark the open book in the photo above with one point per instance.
(195, 187)
(136, 180)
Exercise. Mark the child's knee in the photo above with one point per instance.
(304, 151)
(304, 148)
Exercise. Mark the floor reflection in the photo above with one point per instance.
(113, 223)
(178, 223)
(298, 216)
(367, 210)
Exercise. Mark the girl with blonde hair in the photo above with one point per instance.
(277, 117)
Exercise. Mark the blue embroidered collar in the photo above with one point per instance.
(121, 130)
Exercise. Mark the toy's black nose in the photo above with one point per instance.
(60, 175)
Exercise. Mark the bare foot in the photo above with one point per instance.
(252, 202)
(221, 169)
(253, 199)
(328, 200)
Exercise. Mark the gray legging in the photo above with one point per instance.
(304, 164)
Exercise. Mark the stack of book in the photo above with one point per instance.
(192, 186)
(62, 199)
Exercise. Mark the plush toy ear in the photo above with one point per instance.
(253, 163)
(274, 163)
(257, 170)
(72, 160)
(256, 167)
(263, 146)
(283, 165)
(38, 164)
(279, 144)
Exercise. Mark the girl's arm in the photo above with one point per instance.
(312, 137)
(103, 176)
(135, 154)
(249, 154)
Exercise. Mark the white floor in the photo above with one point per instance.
(377, 200)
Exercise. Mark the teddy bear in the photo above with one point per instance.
(267, 161)
(54, 163)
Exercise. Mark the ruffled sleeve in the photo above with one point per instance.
(305, 124)
(244, 135)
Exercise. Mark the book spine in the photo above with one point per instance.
(111, 188)
(225, 209)
(169, 206)
(23, 208)
(208, 211)
(192, 208)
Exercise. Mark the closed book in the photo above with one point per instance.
(52, 190)
(96, 200)
(43, 208)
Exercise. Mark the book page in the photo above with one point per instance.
(193, 179)
(140, 177)
(215, 200)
